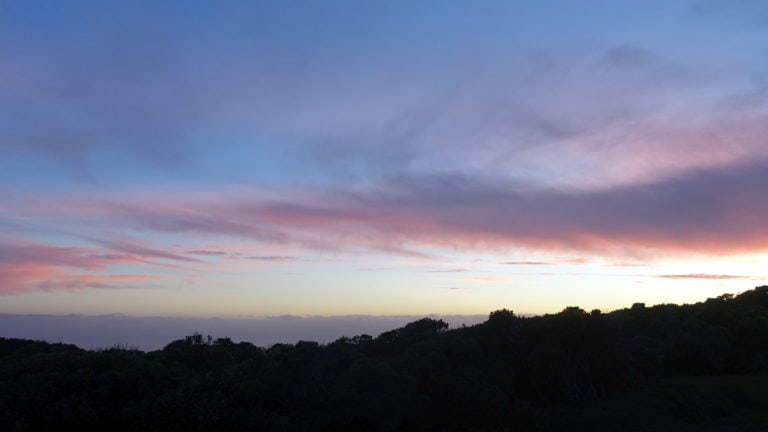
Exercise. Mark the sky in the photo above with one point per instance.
(333, 158)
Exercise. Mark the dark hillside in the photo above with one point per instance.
(667, 367)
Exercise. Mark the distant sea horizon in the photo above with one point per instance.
(149, 333)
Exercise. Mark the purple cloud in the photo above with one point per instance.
(273, 258)
(208, 252)
(135, 248)
(714, 211)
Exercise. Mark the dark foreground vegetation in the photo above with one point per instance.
(700, 367)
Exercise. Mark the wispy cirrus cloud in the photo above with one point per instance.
(21, 277)
(136, 248)
(79, 282)
(213, 253)
(573, 261)
(455, 270)
(712, 211)
(19, 251)
(32, 266)
(706, 276)
(272, 258)
(718, 210)
(501, 111)
(622, 146)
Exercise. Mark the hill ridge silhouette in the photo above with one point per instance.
(663, 367)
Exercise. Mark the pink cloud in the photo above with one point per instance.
(710, 211)
(15, 251)
(27, 277)
(17, 278)
(31, 266)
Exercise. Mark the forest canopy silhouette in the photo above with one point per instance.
(700, 366)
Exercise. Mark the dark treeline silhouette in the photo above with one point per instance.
(668, 367)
